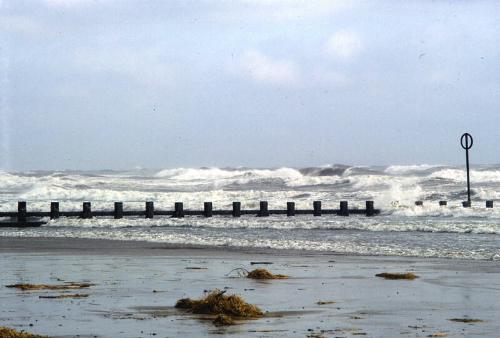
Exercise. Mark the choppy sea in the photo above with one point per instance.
(402, 229)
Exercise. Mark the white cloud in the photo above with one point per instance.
(344, 45)
(259, 67)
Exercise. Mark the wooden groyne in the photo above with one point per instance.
(465, 204)
(24, 218)
(21, 217)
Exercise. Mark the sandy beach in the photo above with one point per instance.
(138, 283)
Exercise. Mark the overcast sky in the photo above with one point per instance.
(259, 83)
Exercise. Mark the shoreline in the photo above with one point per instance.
(91, 246)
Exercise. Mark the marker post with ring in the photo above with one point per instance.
(466, 142)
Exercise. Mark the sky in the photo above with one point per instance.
(95, 84)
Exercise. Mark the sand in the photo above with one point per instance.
(137, 285)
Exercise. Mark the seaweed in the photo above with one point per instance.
(223, 320)
(75, 295)
(466, 320)
(261, 263)
(217, 303)
(397, 276)
(33, 287)
(264, 274)
(6, 332)
(257, 274)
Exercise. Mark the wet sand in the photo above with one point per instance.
(137, 284)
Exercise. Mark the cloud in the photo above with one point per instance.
(260, 68)
(344, 45)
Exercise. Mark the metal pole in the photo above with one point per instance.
(464, 142)
(467, 164)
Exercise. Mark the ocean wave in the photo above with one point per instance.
(395, 221)
(459, 175)
(406, 169)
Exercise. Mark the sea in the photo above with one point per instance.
(401, 229)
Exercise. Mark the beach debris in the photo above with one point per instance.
(266, 331)
(223, 320)
(438, 334)
(256, 274)
(466, 320)
(316, 335)
(264, 274)
(217, 303)
(33, 287)
(397, 276)
(324, 302)
(75, 295)
(6, 332)
(263, 263)
(196, 268)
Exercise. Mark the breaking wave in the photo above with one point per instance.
(394, 189)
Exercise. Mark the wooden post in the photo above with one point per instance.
(370, 209)
(118, 213)
(207, 209)
(150, 209)
(236, 209)
(21, 212)
(419, 203)
(54, 210)
(317, 208)
(489, 204)
(263, 211)
(344, 208)
(443, 203)
(178, 210)
(290, 209)
(87, 210)
(466, 204)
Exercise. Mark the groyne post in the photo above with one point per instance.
(118, 212)
(290, 209)
(370, 208)
(178, 210)
(443, 203)
(317, 208)
(150, 209)
(236, 209)
(419, 203)
(207, 209)
(54, 210)
(489, 204)
(344, 208)
(86, 210)
(21, 212)
(263, 211)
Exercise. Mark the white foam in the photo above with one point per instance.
(459, 175)
(404, 169)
